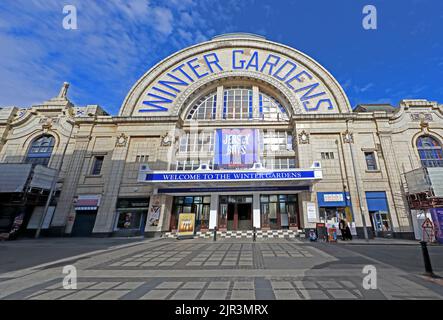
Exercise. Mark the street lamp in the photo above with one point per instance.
(54, 182)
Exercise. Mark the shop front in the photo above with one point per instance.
(86, 208)
(131, 216)
(333, 207)
(379, 213)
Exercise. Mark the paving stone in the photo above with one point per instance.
(194, 285)
(214, 295)
(314, 294)
(51, 295)
(185, 295)
(243, 285)
(83, 295)
(341, 294)
(219, 285)
(169, 285)
(129, 285)
(281, 285)
(156, 295)
(287, 295)
(104, 285)
(329, 284)
(243, 295)
(111, 295)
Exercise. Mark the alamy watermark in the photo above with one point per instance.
(370, 19)
(70, 17)
(370, 278)
(70, 280)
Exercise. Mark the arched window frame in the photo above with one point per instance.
(40, 150)
(237, 103)
(430, 151)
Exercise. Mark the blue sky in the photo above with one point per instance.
(117, 41)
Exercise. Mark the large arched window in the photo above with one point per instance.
(205, 108)
(430, 151)
(41, 150)
(237, 104)
(271, 109)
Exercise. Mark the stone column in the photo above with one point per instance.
(219, 103)
(399, 211)
(255, 103)
(65, 211)
(256, 219)
(105, 220)
(213, 214)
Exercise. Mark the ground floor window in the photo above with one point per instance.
(131, 213)
(199, 205)
(380, 222)
(279, 211)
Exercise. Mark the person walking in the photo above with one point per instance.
(348, 232)
(342, 227)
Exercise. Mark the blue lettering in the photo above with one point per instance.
(154, 104)
(164, 92)
(298, 78)
(310, 88)
(253, 61)
(183, 72)
(169, 84)
(215, 61)
(242, 62)
(319, 103)
(283, 78)
(195, 67)
(269, 63)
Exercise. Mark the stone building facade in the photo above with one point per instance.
(241, 131)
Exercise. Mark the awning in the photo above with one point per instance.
(87, 202)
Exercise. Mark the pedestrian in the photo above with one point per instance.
(348, 232)
(342, 227)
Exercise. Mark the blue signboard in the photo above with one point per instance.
(235, 148)
(228, 176)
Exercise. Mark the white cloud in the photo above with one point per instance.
(117, 41)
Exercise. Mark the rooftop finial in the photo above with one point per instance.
(63, 91)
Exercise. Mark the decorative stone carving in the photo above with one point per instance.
(122, 140)
(348, 137)
(421, 116)
(303, 137)
(166, 140)
(63, 91)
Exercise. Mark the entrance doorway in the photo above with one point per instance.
(235, 213)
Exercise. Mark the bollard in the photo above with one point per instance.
(254, 234)
(215, 233)
(426, 258)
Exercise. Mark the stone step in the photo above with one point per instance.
(261, 234)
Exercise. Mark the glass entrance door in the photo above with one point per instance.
(235, 213)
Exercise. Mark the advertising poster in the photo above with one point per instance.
(186, 225)
(312, 211)
(236, 148)
(437, 217)
(154, 212)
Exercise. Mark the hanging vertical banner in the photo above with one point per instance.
(186, 225)
(236, 148)
(437, 218)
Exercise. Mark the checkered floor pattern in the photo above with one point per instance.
(261, 234)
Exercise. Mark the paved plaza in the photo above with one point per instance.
(201, 269)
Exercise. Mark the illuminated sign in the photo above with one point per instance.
(236, 148)
(305, 84)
